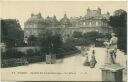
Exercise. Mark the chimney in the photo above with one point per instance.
(99, 10)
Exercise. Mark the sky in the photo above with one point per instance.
(22, 10)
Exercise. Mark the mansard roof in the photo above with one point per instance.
(102, 16)
(35, 19)
(65, 20)
(51, 19)
(96, 14)
(54, 19)
(48, 19)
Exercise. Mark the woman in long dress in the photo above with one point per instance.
(86, 62)
(93, 60)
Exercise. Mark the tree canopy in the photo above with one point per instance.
(11, 31)
(77, 34)
(119, 23)
(50, 42)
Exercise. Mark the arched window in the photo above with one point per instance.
(96, 23)
(30, 26)
(84, 23)
(90, 23)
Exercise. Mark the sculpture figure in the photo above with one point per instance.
(111, 49)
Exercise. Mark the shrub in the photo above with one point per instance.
(12, 53)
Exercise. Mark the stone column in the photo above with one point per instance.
(112, 73)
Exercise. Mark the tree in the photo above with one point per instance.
(12, 53)
(30, 53)
(77, 34)
(50, 42)
(11, 32)
(119, 23)
(92, 36)
(32, 38)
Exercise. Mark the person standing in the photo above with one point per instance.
(86, 62)
(93, 60)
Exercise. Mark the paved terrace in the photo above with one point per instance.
(70, 68)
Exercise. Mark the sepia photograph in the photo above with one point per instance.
(63, 41)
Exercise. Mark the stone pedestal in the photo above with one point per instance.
(53, 59)
(48, 59)
(112, 72)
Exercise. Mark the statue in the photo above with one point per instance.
(111, 49)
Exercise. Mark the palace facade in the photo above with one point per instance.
(94, 20)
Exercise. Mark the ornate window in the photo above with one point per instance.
(96, 23)
(84, 23)
(93, 23)
(90, 23)
(30, 25)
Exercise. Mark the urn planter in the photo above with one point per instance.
(50, 59)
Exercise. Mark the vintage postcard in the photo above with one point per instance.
(63, 41)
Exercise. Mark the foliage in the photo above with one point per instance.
(30, 53)
(12, 53)
(66, 50)
(77, 34)
(92, 36)
(32, 40)
(50, 42)
(11, 32)
(119, 23)
(88, 38)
